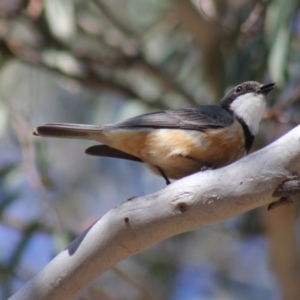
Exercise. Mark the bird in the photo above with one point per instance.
(178, 143)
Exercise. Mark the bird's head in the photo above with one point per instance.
(247, 101)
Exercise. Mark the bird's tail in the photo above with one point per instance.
(73, 131)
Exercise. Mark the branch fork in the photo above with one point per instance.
(286, 189)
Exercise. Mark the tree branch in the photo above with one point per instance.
(208, 36)
(165, 79)
(284, 253)
(198, 200)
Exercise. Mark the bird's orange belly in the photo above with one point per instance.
(181, 152)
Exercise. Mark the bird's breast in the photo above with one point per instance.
(181, 152)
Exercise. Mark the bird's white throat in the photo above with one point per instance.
(250, 108)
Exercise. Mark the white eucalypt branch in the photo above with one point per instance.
(288, 188)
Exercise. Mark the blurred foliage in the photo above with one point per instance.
(100, 61)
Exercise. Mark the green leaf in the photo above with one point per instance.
(61, 19)
(279, 18)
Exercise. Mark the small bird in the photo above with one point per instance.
(177, 143)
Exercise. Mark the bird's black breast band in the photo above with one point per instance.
(249, 137)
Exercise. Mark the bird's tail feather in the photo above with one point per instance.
(75, 131)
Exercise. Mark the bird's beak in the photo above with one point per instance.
(266, 88)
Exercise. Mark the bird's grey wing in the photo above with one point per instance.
(192, 118)
(106, 151)
(199, 118)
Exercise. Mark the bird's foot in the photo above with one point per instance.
(206, 168)
(162, 173)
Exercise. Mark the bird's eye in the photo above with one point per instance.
(238, 89)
